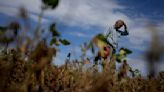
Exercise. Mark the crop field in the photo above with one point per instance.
(27, 61)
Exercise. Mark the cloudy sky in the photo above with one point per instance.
(80, 20)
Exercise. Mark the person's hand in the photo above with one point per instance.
(119, 24)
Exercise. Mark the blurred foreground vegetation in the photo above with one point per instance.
(36, 73)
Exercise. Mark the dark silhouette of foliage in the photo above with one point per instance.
(51, 3)
(64, 41)
(53, 30)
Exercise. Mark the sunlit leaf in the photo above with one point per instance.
(125, 51)
(57, 43)
(102, 38)
(120, 58)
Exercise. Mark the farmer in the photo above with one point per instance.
(113, 34)
(107, 43)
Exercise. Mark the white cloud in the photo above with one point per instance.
(138, 35)
(31, 5)
(35, 18)
(10, 11)
(78, 34)
(88, 12)
(75, 12)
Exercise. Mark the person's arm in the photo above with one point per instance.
(108, 33)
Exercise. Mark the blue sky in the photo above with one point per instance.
(80, 20)
(148, 8)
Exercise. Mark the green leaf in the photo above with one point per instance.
(120, 58)
(53, 40)
(51, 3)
(53, 30)
(127, 51)
(102, 38)
(64, 42)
